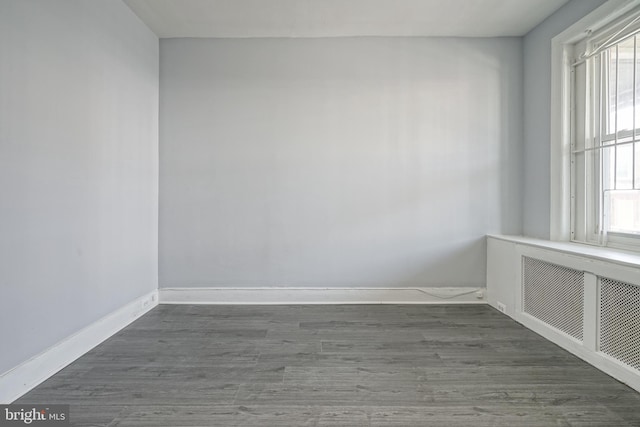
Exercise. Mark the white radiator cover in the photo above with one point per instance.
(554, 294)
(586, 303)
(619, 331)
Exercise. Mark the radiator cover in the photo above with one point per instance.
(619, 321)
(554, 294)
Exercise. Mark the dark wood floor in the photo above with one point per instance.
(350, 365)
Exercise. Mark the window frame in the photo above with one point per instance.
(593, 141)
(562, 219)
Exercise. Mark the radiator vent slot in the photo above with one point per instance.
(555, 295)
(620, 321)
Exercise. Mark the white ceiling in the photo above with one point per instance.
(335, 18)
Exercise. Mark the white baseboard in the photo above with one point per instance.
(19, 380)
(274, 296)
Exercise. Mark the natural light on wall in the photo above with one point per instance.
(606, 136)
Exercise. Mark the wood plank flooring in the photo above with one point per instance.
(346, 365)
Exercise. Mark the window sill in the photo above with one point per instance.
(616, 256)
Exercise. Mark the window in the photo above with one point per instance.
(605, 135)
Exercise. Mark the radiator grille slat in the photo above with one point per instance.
(620, 321)
(555, 295)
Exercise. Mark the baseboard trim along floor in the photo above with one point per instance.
(289, 295)
(24, 377)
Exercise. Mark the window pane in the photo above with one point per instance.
(623, 210)
(608, 168)
(637, 90)
(624, 167)
(609, 95)
(637, 165)
(625, 98)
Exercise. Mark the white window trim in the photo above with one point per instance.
(560, 154)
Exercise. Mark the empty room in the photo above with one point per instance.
(320, 212)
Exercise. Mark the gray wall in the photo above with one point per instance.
(537, 113)
(337, 162)
(78, 168)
